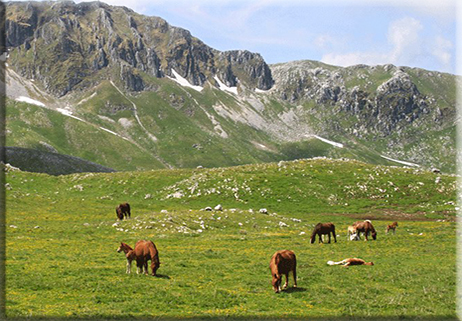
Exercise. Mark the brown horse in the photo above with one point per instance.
(143, 252)
(123, 210)
(322, 229)
(366, 228)
(283, 262)
(351, 261)
(392, 226)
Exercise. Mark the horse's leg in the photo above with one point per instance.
(295, 276)
(320, 238)
(287, 281)
(129, 266)
(329, 236)
(145, 265)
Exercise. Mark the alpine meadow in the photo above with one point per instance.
(223, 160)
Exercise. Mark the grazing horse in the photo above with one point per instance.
(352, 233)
(322, 229)
(283, 262)
(350, 261)
(143, 252)
(123, 210)
(366, 228)
(392, 226)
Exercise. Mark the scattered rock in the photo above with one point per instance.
(263, 211)
(208, 208)
(164, 211)
(147, 196)
(218, 208)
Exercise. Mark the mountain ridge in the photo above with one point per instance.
(167, 93)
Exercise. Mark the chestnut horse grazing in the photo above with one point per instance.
(143, 252)
(366, 228)
(350, 261)
(123, 210)
(392, 226)
(283, 262)
(322, 229)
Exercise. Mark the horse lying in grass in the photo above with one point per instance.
(392, 226)
(350, 261)
(123, 210)
(283, 262)
(143, 252)
(365, 227)
(322, 229)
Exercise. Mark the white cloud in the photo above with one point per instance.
(406, 46)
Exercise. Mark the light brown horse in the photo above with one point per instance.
(123, 210)
(352, 233)
(392, 226)
(366, 228)
(143, 252)
(283, 262)
(322, 229)
(351, 261)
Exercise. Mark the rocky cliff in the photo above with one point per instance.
(86, 41)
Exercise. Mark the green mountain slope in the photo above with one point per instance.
(161, 98)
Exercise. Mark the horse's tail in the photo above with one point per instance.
(154, 253)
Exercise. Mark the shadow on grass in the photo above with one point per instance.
(162, 276)
(292, 290)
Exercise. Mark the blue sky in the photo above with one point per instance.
(415, 33)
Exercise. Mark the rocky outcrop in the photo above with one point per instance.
(78, 40)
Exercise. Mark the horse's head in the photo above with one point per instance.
(374, 235)
(369, 263)
(123, 248)
(277, 278)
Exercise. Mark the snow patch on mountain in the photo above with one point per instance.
(223, 87)
(184, 82)
(400, 162)
(339, 145)
(30, 101)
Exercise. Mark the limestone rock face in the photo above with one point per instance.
(69, 42)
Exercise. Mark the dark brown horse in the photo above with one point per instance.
(123, 210)
(392, 226)
(322, 229)
(143, 252)
(366, 228)
(282, 263)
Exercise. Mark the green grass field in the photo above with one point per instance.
(62, 237)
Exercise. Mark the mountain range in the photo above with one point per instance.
(131, 92)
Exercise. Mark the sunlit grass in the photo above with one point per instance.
(61, 258)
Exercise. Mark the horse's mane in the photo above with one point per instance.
(129, 247)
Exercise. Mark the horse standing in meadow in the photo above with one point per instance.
(123, 210)
(143, 252)
(365, 227)
(392, 226)
(350, 261)
(283, 262)
(322, 229)
(352, 233)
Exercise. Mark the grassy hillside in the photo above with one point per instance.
(61, 259)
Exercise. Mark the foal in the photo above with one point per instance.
(129, 254)
(392, 226)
